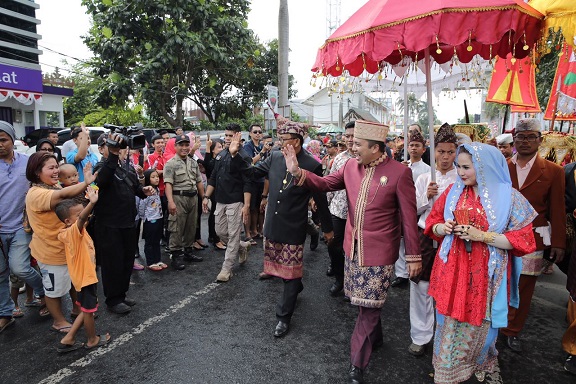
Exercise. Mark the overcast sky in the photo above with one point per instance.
(64, 21)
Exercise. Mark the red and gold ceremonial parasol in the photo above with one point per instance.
(384, 32)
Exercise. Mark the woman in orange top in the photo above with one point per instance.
(45, 193)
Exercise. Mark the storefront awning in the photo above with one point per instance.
(26, 98)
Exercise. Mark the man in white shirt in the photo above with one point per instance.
(416, 148)
(421, 304)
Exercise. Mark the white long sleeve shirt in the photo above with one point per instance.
(423, 204)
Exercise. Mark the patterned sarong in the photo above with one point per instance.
(461, 349)
(283, 260)
(366, 286)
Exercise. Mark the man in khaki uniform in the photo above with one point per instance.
(183, 182)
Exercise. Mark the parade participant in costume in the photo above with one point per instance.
(427, 192)
(416, 148)
(505, 143)
(381, 205)
(286, 215)
(569, 266)
(482, 223)
(542, 183)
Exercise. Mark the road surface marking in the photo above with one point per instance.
(125, 337)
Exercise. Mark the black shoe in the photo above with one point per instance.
(514, 343)
(129, 302)
(570, 364)
(355, 375)
(314, 241)
(281, 329)
(119, 308)
(399, 282)
(330, 271)
(188, 256)
(176, 263)
(336, 288)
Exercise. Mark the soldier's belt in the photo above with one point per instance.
(185, 193)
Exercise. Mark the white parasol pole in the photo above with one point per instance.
(406, 117)
(430, 112)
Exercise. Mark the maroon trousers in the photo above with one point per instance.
(517, 317)
(367, 332)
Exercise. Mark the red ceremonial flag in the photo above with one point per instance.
(514, 83)
(563, 96)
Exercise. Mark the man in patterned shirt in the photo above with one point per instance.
(338, 205)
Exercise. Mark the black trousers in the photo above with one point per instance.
(152, 234)
(336, 248)
(199, 219)
(116, 248)
(285, 308)
(212, 221)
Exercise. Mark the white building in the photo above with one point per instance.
(323, 108)
(24, 101)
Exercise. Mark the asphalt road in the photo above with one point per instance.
(188, 329)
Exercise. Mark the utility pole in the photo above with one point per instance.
(283, 48)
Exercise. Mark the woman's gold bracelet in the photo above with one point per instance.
(489, 237)
(435, 230)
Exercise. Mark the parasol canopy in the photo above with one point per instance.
(559, 14)
(330, 128)
(385, 32)
(389, 30)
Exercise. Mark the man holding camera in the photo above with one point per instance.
(182, 182)
(115, 231)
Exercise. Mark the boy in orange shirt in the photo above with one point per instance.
(80, 258)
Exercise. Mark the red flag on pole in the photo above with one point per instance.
(514, 83)
(563, 93)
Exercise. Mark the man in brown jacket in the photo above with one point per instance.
(542, 183)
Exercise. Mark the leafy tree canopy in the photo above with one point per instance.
(161, 52)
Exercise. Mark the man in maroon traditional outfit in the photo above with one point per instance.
(381, 205)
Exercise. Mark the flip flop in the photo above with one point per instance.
(17, 312)
(8, 324)
(63, 330)
(65, 348)
(43, 312)
(163, 265)
(102, 342)
(251, 241)
(33, 303)
(155, 267)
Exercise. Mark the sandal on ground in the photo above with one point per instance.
(201, 244)
(7, 324)
(251, 241)
(103, 340)
(163, 265)
(197, 247)
(220, 246)
(33, 303)
(43, 312)
(137, 267)
(17, 312)
(65, 348)
(258, 236)
(65, 329)
(155, 267)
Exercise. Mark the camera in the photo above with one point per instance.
(131, 136)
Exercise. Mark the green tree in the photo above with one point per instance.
(414, 106)
(162, 52)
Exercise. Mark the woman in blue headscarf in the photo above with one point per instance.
(483, 224)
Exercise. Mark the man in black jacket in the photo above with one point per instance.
(232, 195)
(286, 215)
(114, 228)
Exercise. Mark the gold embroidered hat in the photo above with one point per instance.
(368, 130)
(446, 134)
(416, 136)
(284, 125)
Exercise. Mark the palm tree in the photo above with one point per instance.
(415, 107)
